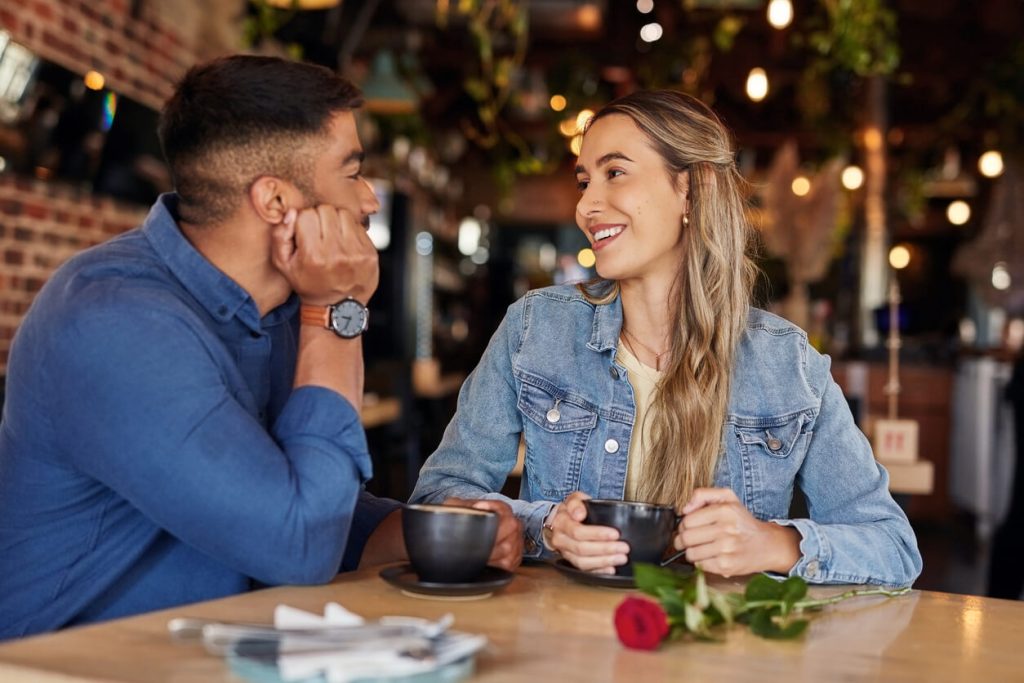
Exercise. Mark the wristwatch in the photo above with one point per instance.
(348, 318)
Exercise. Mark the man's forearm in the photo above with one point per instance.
(386, 543)
(327, 360)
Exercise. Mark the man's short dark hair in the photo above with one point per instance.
(237, 118)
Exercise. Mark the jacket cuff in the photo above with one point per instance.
(815, 552)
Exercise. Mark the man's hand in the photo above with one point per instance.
(326, 255)
(508, 544)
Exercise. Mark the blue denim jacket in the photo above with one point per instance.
(788, 424)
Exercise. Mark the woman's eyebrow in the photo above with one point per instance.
(610, 156)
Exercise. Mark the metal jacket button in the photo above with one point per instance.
(554, 415)
(611, 446)
(613, 372)
(812, 569)
(774, 444)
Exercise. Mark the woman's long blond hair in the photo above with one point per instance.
(711, 295)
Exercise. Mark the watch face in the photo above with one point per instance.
(349, 318)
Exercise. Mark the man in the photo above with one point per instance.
(171, 432)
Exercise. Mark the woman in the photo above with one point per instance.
(662, 384)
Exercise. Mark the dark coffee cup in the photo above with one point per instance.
(647, 528)
(448, 543)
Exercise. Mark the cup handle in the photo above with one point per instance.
(675, 556)
(672, 558)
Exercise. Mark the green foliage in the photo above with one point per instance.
(770, 608)
(859, 36)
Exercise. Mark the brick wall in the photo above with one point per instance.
(141, 47)
(41, 226)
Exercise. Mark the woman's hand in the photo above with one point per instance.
(589, 547)
(508, 544)
(721, 536)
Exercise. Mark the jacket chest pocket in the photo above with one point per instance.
(771, 451)
(556, 432)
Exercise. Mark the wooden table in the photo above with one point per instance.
(544, 627)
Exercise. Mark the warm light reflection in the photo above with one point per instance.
(757, 84)
(958, 212)
(589, 17)
(568, 127)
(576, 144)
(899, 257)
(991, 164)
(586, 257)
(94, 80)
(801, 186)
(644, 6)
(780, 13)
(582, 118)
(853, 177)
(557, 102)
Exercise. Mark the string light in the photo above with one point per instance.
(899, 257)
(586, 257)
(651, 32)
(780, 13)
(558, 102)
(801, 186)
(757, 84)
(1001, 276)
(94, 80)
(958, 212)
(991, 164)
(852, 177)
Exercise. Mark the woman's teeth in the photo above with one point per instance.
(608, 232)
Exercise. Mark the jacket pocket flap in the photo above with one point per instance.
(552, 413)
(776, 436)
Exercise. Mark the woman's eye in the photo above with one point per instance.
(614, 172)
(582, 185)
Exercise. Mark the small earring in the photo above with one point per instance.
(686, 220)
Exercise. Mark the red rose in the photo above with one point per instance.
(640, 624)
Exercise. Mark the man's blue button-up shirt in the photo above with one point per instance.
(153, 451)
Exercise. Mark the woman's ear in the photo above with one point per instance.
(272, 198)
(683, 186)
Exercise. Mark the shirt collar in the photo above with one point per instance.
(221, 296)
(607, 325)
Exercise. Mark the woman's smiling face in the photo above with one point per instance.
(631, 208)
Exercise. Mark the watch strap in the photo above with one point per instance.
(315, 315)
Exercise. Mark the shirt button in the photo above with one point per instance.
(611, 446)
(812, 569)
(613, 372)
(774, 444)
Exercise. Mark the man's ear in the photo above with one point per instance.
(271, 198)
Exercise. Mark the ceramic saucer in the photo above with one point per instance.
(608, 580)
(404, 577)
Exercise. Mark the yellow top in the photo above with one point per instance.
(644, 381)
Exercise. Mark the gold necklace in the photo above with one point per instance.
(657, 356)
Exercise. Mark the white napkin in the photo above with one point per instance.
(342, 667)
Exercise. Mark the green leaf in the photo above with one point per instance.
(793, 589)
(722, 605)
(649, 577)
(762, 587)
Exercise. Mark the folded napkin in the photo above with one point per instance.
(382, 659)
